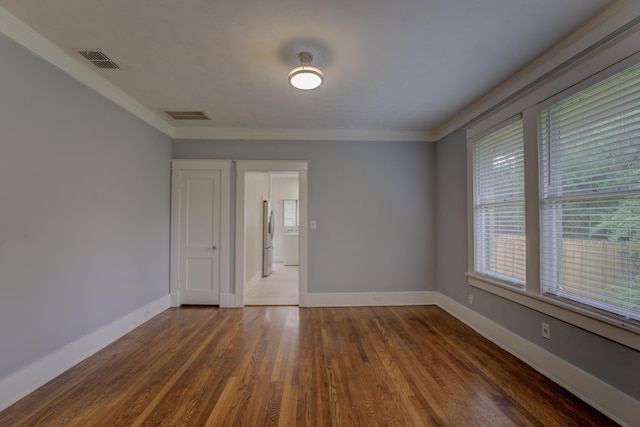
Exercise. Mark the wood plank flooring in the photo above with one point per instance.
(290, 366)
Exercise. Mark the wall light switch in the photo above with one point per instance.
(312, 224)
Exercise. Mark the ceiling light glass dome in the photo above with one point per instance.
(305, 77)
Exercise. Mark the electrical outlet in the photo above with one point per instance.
(376, 298)
(470, 298)
(546, 331)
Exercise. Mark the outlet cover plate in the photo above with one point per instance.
(546, 331)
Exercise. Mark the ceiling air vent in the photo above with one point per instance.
(98, 58)
(188, 115)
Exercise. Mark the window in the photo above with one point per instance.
(499, 231)
(554, 199)
(290, 213)
(590, 195)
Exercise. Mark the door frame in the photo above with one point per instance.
(244, 166)
(177, 167)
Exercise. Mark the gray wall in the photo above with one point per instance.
(84, 211)
(607, 360)
(373, 203)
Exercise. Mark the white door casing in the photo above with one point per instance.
(200, 232)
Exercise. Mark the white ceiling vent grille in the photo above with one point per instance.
(188, 115)
(98, 58)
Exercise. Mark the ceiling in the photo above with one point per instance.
(392, 67)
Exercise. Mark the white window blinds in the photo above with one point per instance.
(499, 221)
(590, 183)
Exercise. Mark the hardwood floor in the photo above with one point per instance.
(287, 366)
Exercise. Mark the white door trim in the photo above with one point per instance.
(177, 166)
(243, 166)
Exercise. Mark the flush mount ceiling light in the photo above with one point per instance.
(305, 76)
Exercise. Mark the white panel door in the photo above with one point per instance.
(200, 237)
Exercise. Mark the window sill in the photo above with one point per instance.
(623, 331)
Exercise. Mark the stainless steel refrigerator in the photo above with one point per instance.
(267, 238)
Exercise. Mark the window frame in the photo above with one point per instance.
(586, 84)
(284, 213)
(617, 328)
(504, 280)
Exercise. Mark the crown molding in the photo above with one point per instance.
(614, 17)
(302, 134)
(598, 28)
(35, 42)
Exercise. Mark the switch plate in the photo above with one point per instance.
(546, 331)
(470, 298)
(312, 224)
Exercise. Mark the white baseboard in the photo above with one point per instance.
(612, 402)
(364, 299)
(29, 378)
(227, 300)
(174, 299)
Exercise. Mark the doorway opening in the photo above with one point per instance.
(271, 264)
(278, 288)
(271, 239)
